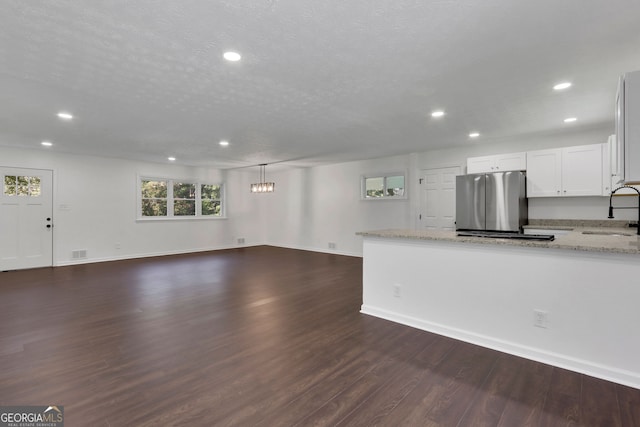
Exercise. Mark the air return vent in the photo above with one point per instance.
(79, 254)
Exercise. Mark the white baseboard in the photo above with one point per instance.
(189, 251)
(150, 255)
(314, 249)
(586, 367)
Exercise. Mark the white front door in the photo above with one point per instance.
(26, 220)
(438, 198)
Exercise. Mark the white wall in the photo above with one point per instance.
(581, 208)
(539, 208)
(315, 206)
(458, 155)
(311, 207)
(95, 208)
(486, 294)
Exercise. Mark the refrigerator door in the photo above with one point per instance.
(506, 208)
(470, 202)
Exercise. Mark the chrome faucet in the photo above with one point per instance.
(611, 208)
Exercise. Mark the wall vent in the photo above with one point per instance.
(79, 254)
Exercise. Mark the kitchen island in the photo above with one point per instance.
(573, 302)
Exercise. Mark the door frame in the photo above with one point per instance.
(421, 198)
(53, 221)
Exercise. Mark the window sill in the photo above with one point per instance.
(180, 218)
(367, 199)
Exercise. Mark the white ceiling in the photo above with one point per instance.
(319, 82)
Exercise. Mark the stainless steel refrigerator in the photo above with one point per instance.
(492, 202)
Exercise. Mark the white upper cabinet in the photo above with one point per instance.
(511, 162)
(544, 173)
(569, 171)
(480, 164)
(628, 126)
(616, 161)
(497, 163)
(609, 178)
(582, 170)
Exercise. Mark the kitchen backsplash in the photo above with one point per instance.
(595, 223)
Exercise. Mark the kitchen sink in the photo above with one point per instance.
(608, 233)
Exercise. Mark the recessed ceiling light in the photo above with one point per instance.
(224, 143)
(46, 143)
(232, 56)
(474, 135)
(561, 86)
(65, 116)
(438, 113)
(171, 159)
(570, 119)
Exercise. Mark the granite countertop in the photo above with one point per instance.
(625, 241)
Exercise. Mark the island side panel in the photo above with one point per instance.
(487, 294)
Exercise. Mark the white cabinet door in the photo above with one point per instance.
(511, 162)
(607, 168)
(616, 160)
(544, 173)
(632, 127)
(497, 163)
(480, 164)
(582, 170)
(569, 171)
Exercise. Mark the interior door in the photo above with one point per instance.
(438, 198)
(26, 220)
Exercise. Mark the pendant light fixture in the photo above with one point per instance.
(263, 186)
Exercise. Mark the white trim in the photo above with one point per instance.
(314, 249)
(196, 250)
(608, 373)
(487, 294)
(180, 218)
(152, 254)
(50, 172)
(363, 189)
(170, 199)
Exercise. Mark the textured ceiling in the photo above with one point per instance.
(320, 81)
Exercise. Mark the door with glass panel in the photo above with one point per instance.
(26, 220)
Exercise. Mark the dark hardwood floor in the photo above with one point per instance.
(262, 336)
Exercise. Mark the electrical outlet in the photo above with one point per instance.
(396, 290)
(118, 245)
(540, 318)
(241, 240)
(332, 245)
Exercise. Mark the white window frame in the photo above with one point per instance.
(170, 214)
(363, 186)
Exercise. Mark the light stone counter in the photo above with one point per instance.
(625, 241)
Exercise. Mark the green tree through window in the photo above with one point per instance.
(177, 199)
(184, 199)
(211, 200)
(154, 198)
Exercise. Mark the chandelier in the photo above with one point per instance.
(263, 186)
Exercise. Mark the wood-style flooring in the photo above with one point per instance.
(262, 336)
